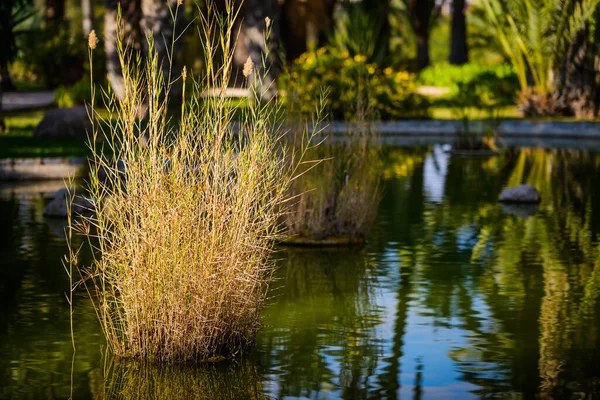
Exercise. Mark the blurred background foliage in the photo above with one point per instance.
(541, 56)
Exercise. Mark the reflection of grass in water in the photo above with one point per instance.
(136, 380)
(339, 197)
(322, 320)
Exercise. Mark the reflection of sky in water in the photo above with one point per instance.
(435, 169)
(425, 349)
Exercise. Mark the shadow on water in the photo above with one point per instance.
(453, 297)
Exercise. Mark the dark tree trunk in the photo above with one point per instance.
(303, 21)
(421, 15)
(422, 51)
(459, 52)
(131, 15)
(6, 80)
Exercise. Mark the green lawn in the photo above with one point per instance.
(20, 143)
(474, 113)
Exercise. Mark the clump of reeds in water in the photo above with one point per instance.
(187, 214)
(336, 199)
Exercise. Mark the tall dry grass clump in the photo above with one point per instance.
(186, 207)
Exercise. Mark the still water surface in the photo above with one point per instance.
(453, 297)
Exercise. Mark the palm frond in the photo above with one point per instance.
(538, 32)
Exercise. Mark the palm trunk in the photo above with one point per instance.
(422, 11)
(157, 22)
(578, 79)
(252, 43)
(130, 14)
(422, 14)
(87, 16)
(459, 51)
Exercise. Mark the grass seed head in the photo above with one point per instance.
(93, 39)
(248, 66)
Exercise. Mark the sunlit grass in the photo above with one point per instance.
(441, 113)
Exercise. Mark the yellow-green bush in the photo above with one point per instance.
(349, 80)
(69, 96)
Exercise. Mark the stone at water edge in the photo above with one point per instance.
(520, 194)
(57, 208)
(72, 122)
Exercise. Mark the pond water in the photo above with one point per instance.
(452, 297)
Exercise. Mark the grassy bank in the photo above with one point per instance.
(19, 142)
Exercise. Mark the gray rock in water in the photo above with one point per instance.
(520, 194)
(57, 208)
(63, 123)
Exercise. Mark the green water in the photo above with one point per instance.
(452, 297)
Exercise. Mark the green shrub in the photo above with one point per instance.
(69, 96)
(390, 94)
(58, 57)
(474, 85)
(54, 56)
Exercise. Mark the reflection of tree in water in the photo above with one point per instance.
(403, 225)
(536, 276)
(324, 298)
(35, 341)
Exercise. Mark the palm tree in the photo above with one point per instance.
(534, 35)
(141, 19)
(578, 76)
